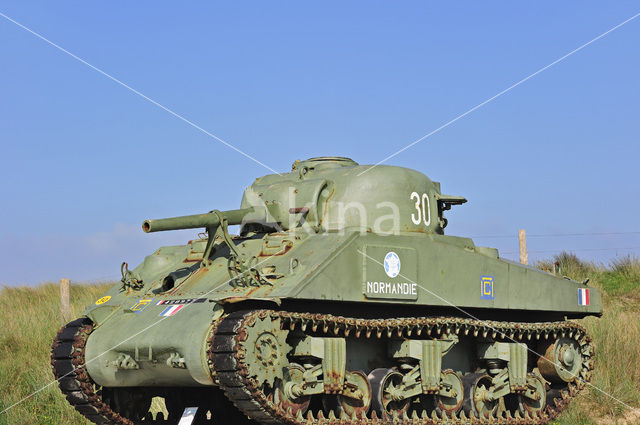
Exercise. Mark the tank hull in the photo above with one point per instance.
(349, 278)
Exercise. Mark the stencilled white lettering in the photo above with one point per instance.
(388, 288)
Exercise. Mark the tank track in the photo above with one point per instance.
(67, 361)
(226, 357)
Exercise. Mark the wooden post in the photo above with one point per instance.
(522, 238)
(65, 307)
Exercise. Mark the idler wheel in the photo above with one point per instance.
(451, 404)
(562, 360)
(386, 398)
(476, 395)
(537, 388)
(284, 397)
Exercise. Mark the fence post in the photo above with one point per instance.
(65, 308)
(522, 238)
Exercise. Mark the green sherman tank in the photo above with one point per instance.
(340, 301)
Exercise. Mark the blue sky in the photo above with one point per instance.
(84, 160)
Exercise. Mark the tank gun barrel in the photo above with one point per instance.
(211, 219)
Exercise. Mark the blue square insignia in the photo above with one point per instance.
(486, 288)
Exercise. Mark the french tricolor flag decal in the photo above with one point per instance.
(583, 296)
(170, 311)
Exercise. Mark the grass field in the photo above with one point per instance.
(29, 319)
(617, 339)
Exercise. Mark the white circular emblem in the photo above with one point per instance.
(392, 264)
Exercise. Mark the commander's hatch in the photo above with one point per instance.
(445, 202)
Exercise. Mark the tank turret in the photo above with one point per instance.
(334, 193)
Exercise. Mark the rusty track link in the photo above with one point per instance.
(67, 360)
(227, 362)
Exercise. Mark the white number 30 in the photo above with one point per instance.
(422, 209)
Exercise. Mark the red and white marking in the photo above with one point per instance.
(170, 311)
(583, 296)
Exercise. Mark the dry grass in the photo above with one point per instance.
(616, 335)
(30, 318)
